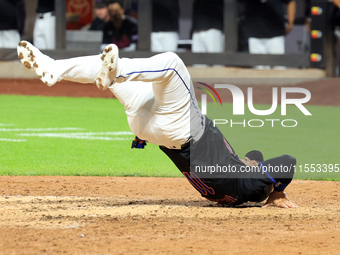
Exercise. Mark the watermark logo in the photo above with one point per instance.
(239, 99)
(204, 96)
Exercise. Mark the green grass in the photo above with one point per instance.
(314, 141)
(63, 156)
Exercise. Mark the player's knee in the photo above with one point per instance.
(173, 57)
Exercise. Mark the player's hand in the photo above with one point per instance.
(138, 143)
(249, 162)
(279, 199)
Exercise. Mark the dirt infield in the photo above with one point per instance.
(106, 215)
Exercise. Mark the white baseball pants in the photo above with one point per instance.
(275, 45)
(9, 39)
(44, 31)
(211, 41)
(157, 93)
(164, 41)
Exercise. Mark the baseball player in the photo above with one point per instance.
(45, 25)
(161, 107)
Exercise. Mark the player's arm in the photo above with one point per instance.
(291, 12)
(279, 199)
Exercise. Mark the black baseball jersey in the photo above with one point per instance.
(265, 18)
(213, 149)
(207, 14)
(12, 15)
(165, 16)
(45, 6)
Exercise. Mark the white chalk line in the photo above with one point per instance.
(106, 136)
(39, 129)
(12, 140)
(84, 135)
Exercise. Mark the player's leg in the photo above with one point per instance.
(81, 69)
(170, 40)
(9, 38)
(50, 31)
(198, 42)
(171, 80)
(159, 69)
(156, 42)
(175, 109)
(164, 41)
(258, 46)
(173, 91)
(39, 39)
(44, 31)
(214, 40)
(162, 69)
(276, 45)
(172, 86)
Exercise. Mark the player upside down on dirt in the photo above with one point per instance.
(161, 107)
